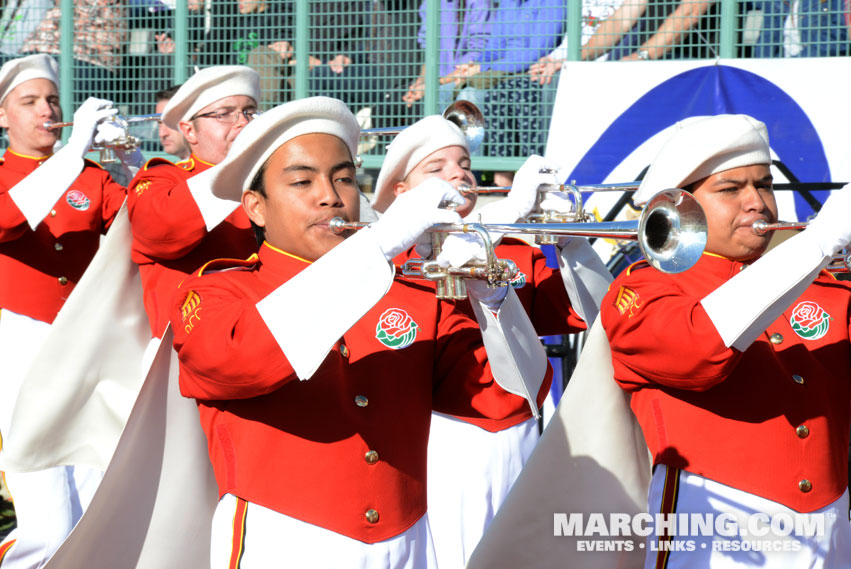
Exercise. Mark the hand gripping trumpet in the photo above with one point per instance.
(841, 262)
(449, 281)
(125, 142)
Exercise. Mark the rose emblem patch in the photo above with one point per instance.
(77, 200)
(396, 329)
(519, 280)
(809, 320)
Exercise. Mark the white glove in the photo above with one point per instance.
(558, 202)
(86, 120)
(107, 132)
(461, 248)
(492, 297)
(831, 228)
(535, 172)
(411, 213)
(523, 195)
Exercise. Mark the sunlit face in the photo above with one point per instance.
(308, 180)
(23, 114)
(733, 200)
(451, 164)
(171, 139)
(210, 139)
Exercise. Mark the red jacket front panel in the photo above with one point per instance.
(41, 267)
(303, 448)
(763, 420)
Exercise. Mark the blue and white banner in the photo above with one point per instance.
(610, 119)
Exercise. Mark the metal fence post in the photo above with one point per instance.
(729, 10)
(302, 50)
(432, 58)
(66, 62)
(181, 42)
(574, 30)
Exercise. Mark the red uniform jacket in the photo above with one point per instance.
(39, 269)
(764, 420)
(170, 239)
(542, 293)
(353, 437)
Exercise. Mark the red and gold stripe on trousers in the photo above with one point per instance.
(668, 507)
(238, 536)
(4, 549)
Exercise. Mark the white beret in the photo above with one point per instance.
(702, 146)
(408, 149)
(16, 71)
(208, 86)
(270, 130)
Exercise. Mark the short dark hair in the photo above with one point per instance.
(166, 94)
(258, 184)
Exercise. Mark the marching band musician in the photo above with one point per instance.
(473, 464)
(55, 207)
(170, 237)
(739, 369)
(289, 357)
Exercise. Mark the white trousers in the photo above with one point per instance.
(470, 471)
(754, 531)
(248, 536)
(48, 503)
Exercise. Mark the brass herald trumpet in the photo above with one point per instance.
(466, 115)
(671, 233)
(449, 281)
(671, 230)
(538, 215)
(125, 142)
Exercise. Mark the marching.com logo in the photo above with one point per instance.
(689, 531)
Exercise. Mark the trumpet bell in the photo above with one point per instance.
(673, 227)
(469, 119)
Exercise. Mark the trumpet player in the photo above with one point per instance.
(315, 389)
(55, 207)
(170, 236)
(738, 369)
(472, 463)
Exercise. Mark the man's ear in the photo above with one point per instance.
(400, 188)
(255, 207)
(187, 129)
(4, 119)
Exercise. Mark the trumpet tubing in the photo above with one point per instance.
(449, 281)
(840, 263)
(126, 142)
(671, 232)
(129, 120)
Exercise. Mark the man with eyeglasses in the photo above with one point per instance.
(170, 235)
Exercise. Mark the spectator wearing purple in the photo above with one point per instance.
(523, 31)
(464, 31)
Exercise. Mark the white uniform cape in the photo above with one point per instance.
(155, 504)
(76, 397)
(591, 458)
